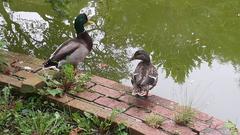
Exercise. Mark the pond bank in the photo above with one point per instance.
(104, 95)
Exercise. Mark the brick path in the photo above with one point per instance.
(103, 95)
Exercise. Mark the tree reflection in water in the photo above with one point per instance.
(179, 37)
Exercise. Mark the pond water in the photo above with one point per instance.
(194, 44)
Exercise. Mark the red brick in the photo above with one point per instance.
(216, 123)
(143, 129)
(90, 107)
(224, 131)
(111, 103)
(138, 113)
(7, 80)
(26, 64)
(32, 83)
(102, 81)
(120, 87)
(134, 125)
(199, 126)
(126, 119)
(136, 101)
(173, 128)
(163, 112)
(90, 96)
(210, 131)
(202, 116)
(162, 102)
(106, 91)
(24, 74)
(64, 99)
(89, 85)
(11, 57)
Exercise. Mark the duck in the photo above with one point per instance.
(73, 51)
(145, 76)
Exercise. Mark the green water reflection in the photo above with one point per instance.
(181, 34)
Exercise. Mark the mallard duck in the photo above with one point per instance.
(145, 76)
(75, 50)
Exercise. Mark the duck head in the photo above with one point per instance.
(141, 55)
(80, 21)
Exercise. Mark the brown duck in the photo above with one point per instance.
(145, 76)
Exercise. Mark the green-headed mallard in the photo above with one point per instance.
(75, 50)
(145, 76)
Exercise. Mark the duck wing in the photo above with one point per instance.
(151, 77)
(137, 75)
(64, 50)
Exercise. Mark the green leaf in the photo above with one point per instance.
(55, 92)
(18, 105)
(232, 127)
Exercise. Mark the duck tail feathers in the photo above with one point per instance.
(50, 63)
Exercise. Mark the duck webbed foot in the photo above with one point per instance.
(140, 93)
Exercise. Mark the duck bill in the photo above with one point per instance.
(89, 22)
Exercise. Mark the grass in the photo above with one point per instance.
(185, 116)
(41, 123)
(36, 116)
(154, 120)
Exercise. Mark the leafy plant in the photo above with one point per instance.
(91, 124)
(185, 116)
(81, 80)
(39, 123)
(68, 72)
(154, 120)
(4, 116)
(55, 92)
(5, 95)
(121, 130)
(53, 87)
(66, 76)
(65, 80)
(232, 127)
